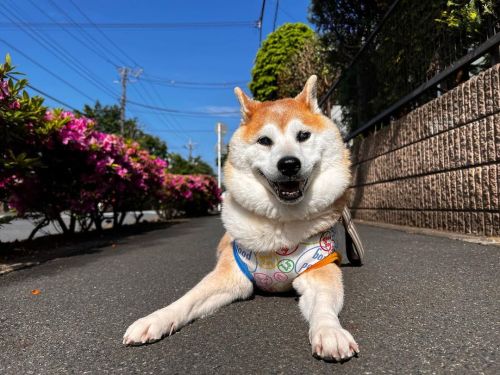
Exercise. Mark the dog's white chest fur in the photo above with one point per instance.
(260, 234)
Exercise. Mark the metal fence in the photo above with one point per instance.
(420, 50)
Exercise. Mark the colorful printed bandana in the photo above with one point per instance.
(275, 271)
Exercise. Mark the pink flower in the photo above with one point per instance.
(49, 116)
(122, 172)
(15, 105)
(101, 165)
(4, 89)
(160, 163)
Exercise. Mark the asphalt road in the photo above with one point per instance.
(419, 305)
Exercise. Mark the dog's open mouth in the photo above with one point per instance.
(288, 191)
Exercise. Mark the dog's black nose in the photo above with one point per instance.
(289, 166)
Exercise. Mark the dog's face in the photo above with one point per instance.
(287, 160)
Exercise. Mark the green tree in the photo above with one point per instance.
(152, 143)
(418, 40)
(108, 121)
(179, 165)
(310, 59)
(467, 15)
(344, 24)
(273, 57)
(108, 118)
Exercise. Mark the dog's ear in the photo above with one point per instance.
(248, 106)
(308, 95)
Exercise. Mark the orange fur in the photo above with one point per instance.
(224, 244)
(329, 274)
(280, 113)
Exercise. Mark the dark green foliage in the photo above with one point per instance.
(153, 144)
(310, 59)
(179, 165)
(344, 24)
(417, 41)
(272, 57)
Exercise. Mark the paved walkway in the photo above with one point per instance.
(420, 305)
(20, 229)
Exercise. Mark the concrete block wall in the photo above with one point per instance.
(437, 167)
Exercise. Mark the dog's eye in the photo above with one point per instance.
(265, 141)
(303, 136)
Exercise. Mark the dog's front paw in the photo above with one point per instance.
(149, 329)
(332, 343)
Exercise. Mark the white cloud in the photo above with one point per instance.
(220, 109)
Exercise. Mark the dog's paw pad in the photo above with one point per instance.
(332, 343)
(146, 330)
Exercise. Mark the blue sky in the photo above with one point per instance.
(185, 54)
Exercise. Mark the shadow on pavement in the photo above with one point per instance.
(23, 254)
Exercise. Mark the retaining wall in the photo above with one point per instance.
(437, 167)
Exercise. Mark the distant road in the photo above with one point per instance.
(20, 229)
(419, 305)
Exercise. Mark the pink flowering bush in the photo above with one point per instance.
(192, 195)
(54, 162)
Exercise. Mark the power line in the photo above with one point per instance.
(173, 115)
(192, 85)
(175, 81)
(49, 44)
(83, 42)
(276, 14)
(183, 131)
(170, 119)
(178, 111)
(88, 36)
(165, 118)
(261, 18)
(47, 70)
(132, 25)
(59, 52)
(292, 18)
(162, 115)
(104, 34)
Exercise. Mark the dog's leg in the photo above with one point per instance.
(225, 284)
(321, 300)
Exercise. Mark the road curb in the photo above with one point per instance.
(482, 240)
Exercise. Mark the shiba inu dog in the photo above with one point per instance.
(286, 177)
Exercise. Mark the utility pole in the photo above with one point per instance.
(220, 129)
(123, 101)
(219, 153)
(125, 73)
(190, 146)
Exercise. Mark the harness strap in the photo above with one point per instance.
(354, 246)
(334, 257)
(241, 264)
